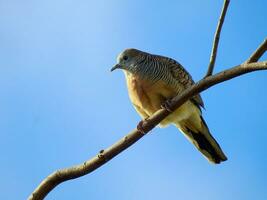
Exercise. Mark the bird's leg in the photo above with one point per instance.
(140, 126)
(167, 105)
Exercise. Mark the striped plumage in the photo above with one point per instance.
(151, 80)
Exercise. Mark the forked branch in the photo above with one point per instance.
(49, 183)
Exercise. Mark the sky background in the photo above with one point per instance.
(59, 103)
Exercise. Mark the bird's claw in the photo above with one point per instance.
(167, 105)
(140, 127)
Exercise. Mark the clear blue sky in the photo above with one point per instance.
(59, 104)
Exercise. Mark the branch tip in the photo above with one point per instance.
(258, 53)
(217, 39)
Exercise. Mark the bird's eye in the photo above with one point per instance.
(125, 57)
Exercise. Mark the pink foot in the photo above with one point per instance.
(167, 105)
(140, 127)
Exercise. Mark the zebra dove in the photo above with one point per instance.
(152, 80)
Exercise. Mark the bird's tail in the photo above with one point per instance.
(202, 139)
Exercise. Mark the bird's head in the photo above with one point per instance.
(128, 60)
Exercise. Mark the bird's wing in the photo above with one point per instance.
(183, 78)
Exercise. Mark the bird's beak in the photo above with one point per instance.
(117, 66)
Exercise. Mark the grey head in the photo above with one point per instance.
(130, 60)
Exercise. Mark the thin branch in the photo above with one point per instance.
(217, 38)
(258, 53)
(49, 183)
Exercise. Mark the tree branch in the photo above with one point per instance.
(258, 53)
(217, 38)
(49, 183)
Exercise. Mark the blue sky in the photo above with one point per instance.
(59, 104)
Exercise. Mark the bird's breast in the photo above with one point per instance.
(146, 94)
(139, 90)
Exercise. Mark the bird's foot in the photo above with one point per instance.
(167, 105)
(140, 127)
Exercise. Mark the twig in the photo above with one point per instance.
(258, 53)
(217, 38)
(49, 183)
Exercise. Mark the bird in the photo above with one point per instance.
(152, 80)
